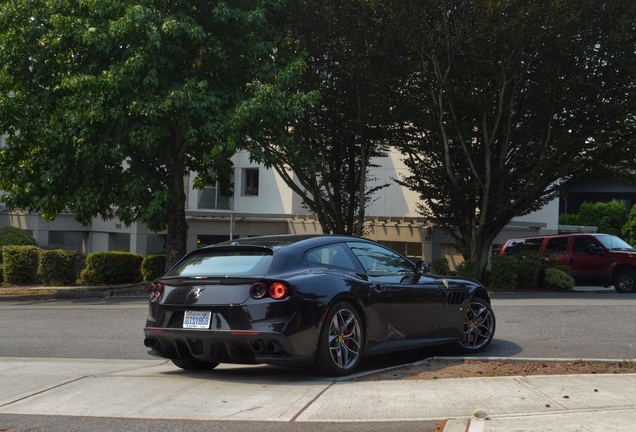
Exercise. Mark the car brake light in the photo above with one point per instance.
(155, 290)
(277, 291)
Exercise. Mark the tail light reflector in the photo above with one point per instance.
(155, 290)
(258, 290)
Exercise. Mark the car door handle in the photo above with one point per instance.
(379, 287)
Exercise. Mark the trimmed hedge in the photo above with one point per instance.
(504, 272)
(21, 264)
(12, 236)
(440, 267)
(153, 267)
(530, 271)
(111, 268)
(58, 267)
(471, 269)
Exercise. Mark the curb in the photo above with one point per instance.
(52, 293)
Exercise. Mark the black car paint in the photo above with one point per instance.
(399, 312)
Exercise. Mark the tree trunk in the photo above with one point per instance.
(177, 228)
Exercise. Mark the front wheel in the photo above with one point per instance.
(479, 327)
(625, 281)
(192, 364)
(340, 344)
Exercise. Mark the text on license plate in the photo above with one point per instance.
(197, 319)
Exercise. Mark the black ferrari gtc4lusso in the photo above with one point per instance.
(320, 301)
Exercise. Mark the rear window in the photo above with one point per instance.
(225, 262)
(515, 247)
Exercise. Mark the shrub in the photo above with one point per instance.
(470, 269)
(440, 267)
(565, 269)
(57, 267)
(12, 236)
(608, 217)
(528, 272)
(504, 272)
(153, 267)
(557, 279)
(111, 268)
(569, 219)
(629, 229)
(21, 264)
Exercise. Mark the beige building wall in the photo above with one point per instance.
(392, 219)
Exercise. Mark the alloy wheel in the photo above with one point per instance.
(345, 339)
(479, 326)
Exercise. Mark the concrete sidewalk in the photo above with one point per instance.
(156, 389)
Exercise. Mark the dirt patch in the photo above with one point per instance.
(445, 368)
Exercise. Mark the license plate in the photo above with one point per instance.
(196, 319)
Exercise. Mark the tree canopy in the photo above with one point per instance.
(325, 154)
(109, 104)
(501, 101)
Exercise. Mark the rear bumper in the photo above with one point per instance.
(224, 346)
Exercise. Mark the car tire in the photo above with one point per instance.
(479, 327)
(192, 364)
(625, 281)
(341, 342)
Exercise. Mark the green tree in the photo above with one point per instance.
(325, 155)
(108, 105)
(501, 101)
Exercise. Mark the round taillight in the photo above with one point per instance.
(258, 290)
(155, 290)
(277, 291)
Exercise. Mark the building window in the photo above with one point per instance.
(408, 249)
(212, 198)
(250, 182)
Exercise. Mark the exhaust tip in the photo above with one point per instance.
(258, 347)
(274, 347)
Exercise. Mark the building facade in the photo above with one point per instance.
(262, 204)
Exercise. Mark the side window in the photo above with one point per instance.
(330, 256)
(533, 244)
(378, 260)
(582, 245)
(515, 247)
(558, 246)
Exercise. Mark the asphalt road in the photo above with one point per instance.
(571, 325)
(546, 325)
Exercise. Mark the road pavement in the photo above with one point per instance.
(155, 390)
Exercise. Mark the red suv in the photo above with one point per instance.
(595, 259)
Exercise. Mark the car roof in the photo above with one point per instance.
(558, 235)
(279, 241)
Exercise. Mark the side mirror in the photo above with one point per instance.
(423, 267)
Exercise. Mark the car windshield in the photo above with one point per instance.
(613, 243)
(224, 262)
